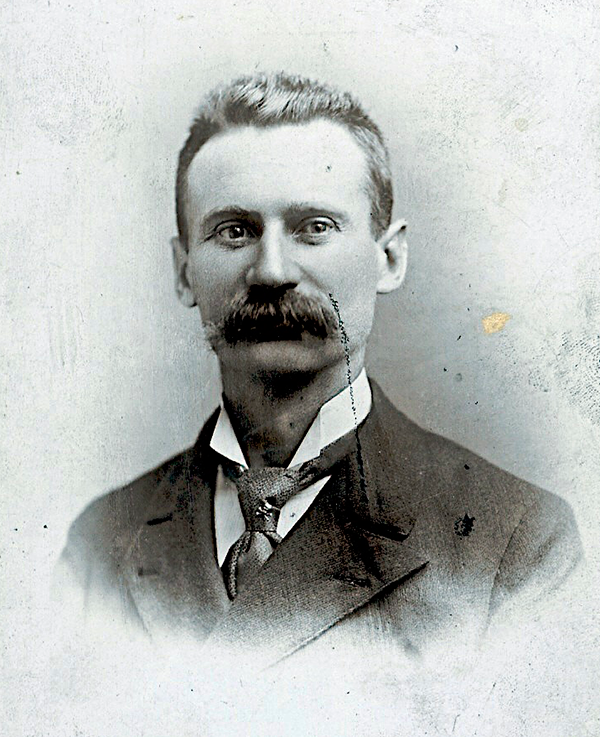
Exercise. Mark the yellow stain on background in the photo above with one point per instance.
(495, 322)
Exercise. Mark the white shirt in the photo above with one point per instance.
(340, 415)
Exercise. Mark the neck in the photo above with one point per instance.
(271, 413)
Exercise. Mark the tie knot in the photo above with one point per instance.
(263, 492)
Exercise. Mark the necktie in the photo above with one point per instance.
(262, 493)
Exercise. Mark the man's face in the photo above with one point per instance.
(281, 216)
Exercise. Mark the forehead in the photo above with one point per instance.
(266, 169)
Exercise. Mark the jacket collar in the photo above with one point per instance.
(337, 417)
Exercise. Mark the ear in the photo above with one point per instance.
(392, 249)
(180, 263)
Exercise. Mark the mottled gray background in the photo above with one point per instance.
(491, 114)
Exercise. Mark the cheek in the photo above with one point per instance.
(209, 285)
(209, 273)
(354, 287)
(355, 273)
(201, 267)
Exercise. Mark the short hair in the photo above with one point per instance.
(265, 100)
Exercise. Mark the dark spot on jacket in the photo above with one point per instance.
(464, 526)
(160, 520)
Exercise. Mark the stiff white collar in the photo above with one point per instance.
(340, 415)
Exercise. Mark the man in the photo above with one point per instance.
(310, 512)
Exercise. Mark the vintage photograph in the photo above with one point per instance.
(302, 369)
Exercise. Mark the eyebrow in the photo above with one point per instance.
(229, 211)
(294, 209)
(300, 208)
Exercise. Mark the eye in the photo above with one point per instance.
(234, 234)
(316, 230)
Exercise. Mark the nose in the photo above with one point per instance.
(273, 265)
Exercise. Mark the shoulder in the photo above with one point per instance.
(472, 517)
(106, 524)
(452, 484)
(104, 528)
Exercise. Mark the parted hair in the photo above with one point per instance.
(264, 100)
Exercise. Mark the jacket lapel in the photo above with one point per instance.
(171, 569)
(360, 538)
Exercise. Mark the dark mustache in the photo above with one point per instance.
(270, 314)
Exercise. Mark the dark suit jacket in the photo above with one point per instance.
(415, 540)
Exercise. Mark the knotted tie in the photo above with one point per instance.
(262, 493)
